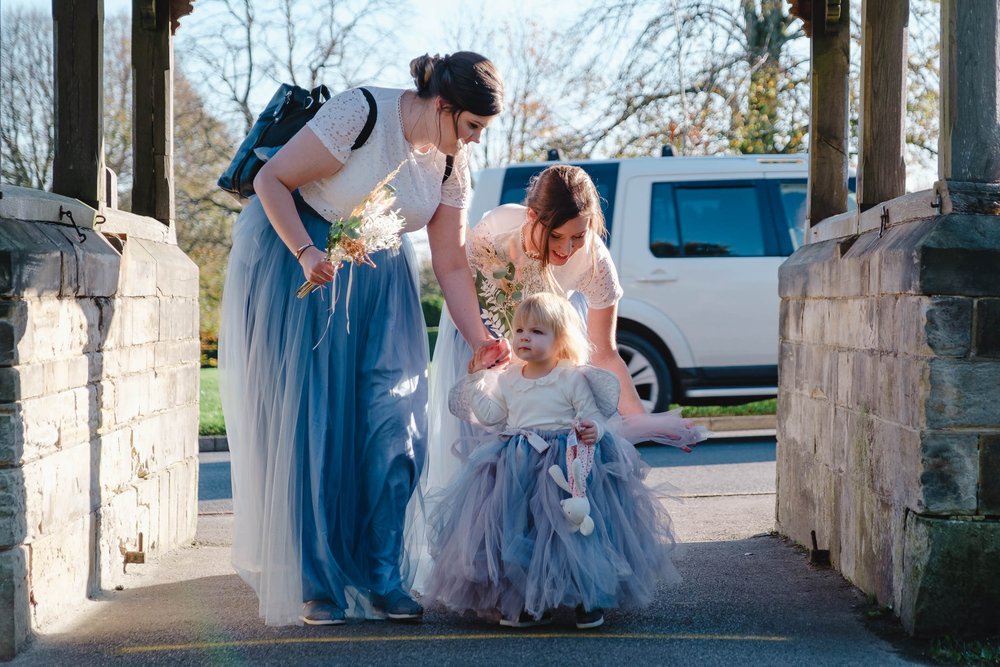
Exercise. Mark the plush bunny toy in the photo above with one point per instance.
(576, 507)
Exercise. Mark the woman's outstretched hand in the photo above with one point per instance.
(492, 353)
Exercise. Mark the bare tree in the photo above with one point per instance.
(240, 49)
(27, 134)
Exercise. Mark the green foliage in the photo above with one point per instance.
(951, 651)
(209, 350)
(768, 407)
(432, 304)
(210, 421)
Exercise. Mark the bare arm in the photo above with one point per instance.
(446, 235)
(302, 160)
(601, 324)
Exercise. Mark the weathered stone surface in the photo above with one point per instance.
(962, 394)
(948, 328)
(29, 264)
(15, 610)
(988, 328)
(949, 473)
(60, 578)
(989, 475)
(11, 434)
(960, 256)
(13, 525)
(950, 576)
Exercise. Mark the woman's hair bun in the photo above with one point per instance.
(422, 70)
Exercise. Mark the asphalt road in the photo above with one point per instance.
(746, 597)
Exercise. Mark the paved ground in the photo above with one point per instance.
(747, 597)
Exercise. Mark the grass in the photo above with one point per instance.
(212, 422)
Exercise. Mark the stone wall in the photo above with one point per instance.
(99, 362)
(889, 418)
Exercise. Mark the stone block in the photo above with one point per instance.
(13, 526)
(61, 569)
(11, 435)
(176, 274)
(950, 576)
(962, 394)
(949, 473)
(145, 320)
(118, 519)
(175, 352)
(29, 264)
(960, 256)
(989, 475)
(15, 607)
(13, 324)
(138, 269)
(57, 489)
(988, 328)
(948, 325)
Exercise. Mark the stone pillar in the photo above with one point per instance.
(889, 372)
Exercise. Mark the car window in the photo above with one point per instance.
(605, 177)
(707, 220)
(793, 202)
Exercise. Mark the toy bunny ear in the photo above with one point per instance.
(560, 479)
(579, 479)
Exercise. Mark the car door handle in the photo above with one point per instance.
(657, 278)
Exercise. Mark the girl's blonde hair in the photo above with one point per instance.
(556, 313)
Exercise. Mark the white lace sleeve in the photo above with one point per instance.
(600, 285)
(339, 122)
(456, 191)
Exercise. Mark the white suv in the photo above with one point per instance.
(697, 242)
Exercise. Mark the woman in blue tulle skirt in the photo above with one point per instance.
(551, 509)
(325, 396)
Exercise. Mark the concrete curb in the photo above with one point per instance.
(722, 427)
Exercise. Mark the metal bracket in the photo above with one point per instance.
(818, 556)
(66, 213)
(883, 221)
(134, 556)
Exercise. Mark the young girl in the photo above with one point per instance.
(502, 543)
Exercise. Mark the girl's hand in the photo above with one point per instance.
(586, 432)
(315, 266)
(492, 353)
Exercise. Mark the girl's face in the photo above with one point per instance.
(461, 129)
(533, 342)
(564, 240)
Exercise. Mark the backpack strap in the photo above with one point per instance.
(449, 163)
(366, 131)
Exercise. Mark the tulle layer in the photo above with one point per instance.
(501, 544)
(326, 420)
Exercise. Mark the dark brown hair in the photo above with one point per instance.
(560, 193)
(466, 81)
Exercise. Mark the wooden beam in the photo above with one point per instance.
(78, 50)
(152, 66)
(969, 144)
(881, 159)
(830, 62)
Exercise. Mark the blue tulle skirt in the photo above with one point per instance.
(325, 411)
(501, 545)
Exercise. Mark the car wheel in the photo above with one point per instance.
(649, 370)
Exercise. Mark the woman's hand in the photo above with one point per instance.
(491, 353)
(315, 266)
(586, 432)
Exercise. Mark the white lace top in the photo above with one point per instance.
(505, 274)
(551, 402)
(418, 185)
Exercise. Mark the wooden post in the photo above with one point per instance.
(78, 49)
(830, 62)
(969, 145)
(152, 63)
(881, 162)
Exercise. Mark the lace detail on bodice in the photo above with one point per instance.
(505, 274)
(418, 185)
